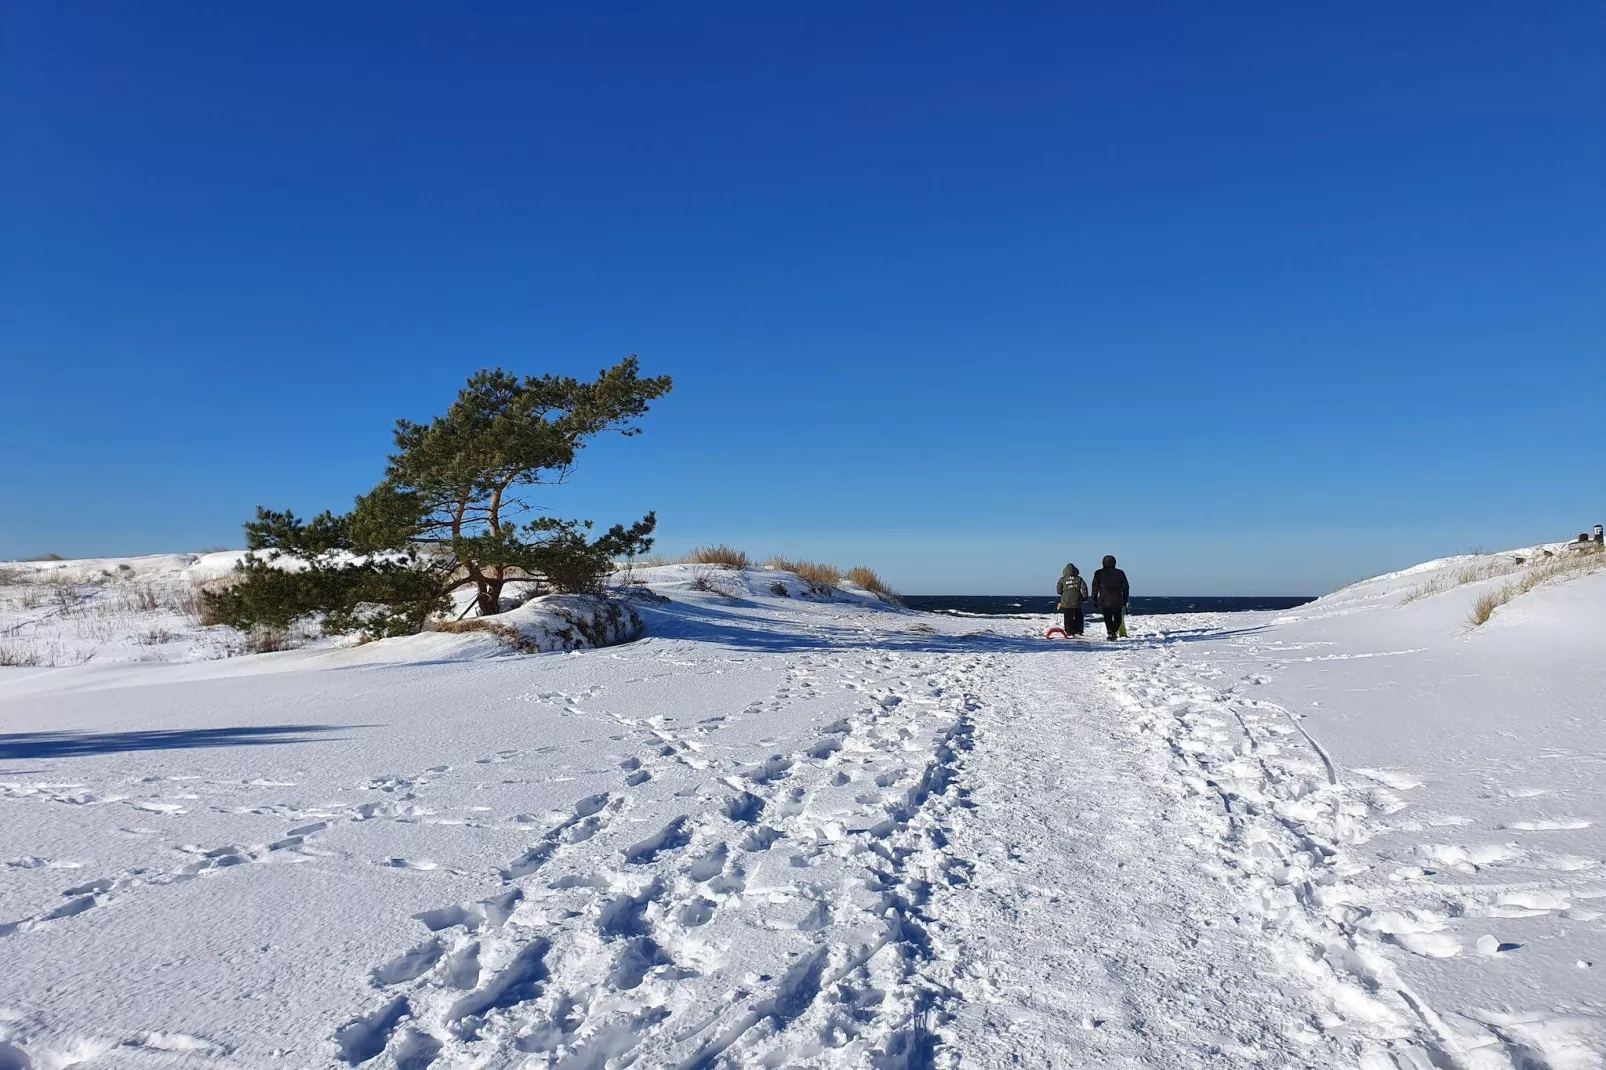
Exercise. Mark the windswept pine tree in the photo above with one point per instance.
(452, 512)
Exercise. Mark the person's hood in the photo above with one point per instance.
(1109, 560)
(1070, 570)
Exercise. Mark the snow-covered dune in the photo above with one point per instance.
(805, 828)
(148, 610)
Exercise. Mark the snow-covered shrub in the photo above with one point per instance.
(706, 578)
(268, 640)
(17, 655)
(141, 598)
(373, 594)
(558, 622)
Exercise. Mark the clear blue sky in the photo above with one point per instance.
(1261, 297)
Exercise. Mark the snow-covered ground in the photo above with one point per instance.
(781, 830)
(151, 609)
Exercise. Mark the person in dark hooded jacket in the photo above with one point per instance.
(1111, 593)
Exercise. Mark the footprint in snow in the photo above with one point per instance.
(672, 836)
(696, 912)
(171, 809)
(710, 865)
(410, 965)
(1390, 779)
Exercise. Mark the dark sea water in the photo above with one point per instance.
(1006, 605)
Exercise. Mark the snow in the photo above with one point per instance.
(149, 610)
(792, 828)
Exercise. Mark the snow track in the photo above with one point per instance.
(604, 945)
(1272, 809)
(1291, 834)
(1097, 929)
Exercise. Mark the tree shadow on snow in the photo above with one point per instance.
(75, 744)
(750, 631)
(1196, 635)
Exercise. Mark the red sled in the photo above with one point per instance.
(1052, 632)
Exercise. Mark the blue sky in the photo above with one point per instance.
(1260, 297)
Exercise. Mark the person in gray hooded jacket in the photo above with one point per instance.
(1072, 589)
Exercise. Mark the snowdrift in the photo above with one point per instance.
(556, 622)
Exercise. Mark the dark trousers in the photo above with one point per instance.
(1073, 621)
(1112, 619)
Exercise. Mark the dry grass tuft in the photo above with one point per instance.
(1550, 568)
(1485, 606)
(819, 576)
(867, 578)
(190, 602)
(141, 598)
(656, 561)
(1475, 573)
(704, 578)
(64, 596)
(722, 556)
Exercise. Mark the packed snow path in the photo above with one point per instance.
(772, 834)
